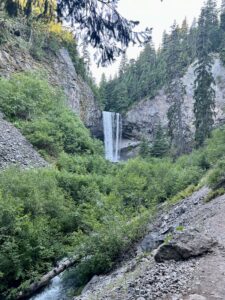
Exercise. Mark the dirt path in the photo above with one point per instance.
(201, 278)
(209, 274)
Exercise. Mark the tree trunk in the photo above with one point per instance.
(43, 281)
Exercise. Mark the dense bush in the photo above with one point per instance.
(35, 220)
(87, 207)
(26, 95)
(216, 177)
(47, 215)
(39, 110)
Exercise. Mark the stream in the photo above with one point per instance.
(54, 291)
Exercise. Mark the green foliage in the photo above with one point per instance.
(39, 111)
(216, 178)
(160, 146)
(26, 95)
(180, 228)
(151, 71)
(149, 182)
(88, 206)
(168, 238)
(214, 194)
(35, 220)
(144, 148)
(204, 94)
(183, 194)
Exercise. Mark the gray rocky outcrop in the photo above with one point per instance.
(143, 117)
(15, 149)
(184, 245)
(60, 72)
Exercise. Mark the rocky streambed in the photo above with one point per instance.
(181, 258)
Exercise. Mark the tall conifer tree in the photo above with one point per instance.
(204, 93)
(175, 93)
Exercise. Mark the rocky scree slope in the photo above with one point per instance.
(190, 240)
(143, 117)
(15, 149)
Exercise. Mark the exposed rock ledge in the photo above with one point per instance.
(143, 117)
(15, 149)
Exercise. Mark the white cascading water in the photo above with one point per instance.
(112, 124)
(53, 291)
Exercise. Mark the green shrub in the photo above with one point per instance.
(44, 135)
(26, 95)
(35, 219)
(39, 111)
(216, 178)
(213, 194)
(149, 182)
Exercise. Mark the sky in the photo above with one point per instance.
(155, 14)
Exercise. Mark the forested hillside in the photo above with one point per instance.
(157, 68)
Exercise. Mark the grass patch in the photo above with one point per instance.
(214, 194)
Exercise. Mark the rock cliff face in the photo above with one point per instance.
(144, 116)
(60, 72)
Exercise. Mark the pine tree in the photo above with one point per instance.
(147, 71)
(102, 91)
(204, 93)
(160, 144)
(144, 148)
(186, 52)
(211, 24)
(192, 39)
(222, 32)
(175, 93)
(178, 130)
(222, 16)
(123, 64)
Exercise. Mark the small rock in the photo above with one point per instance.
(196, 297)
(180, 210)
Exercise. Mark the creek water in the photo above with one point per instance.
(54, 291)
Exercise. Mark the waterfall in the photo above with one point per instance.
(112, 124)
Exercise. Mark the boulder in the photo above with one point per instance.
(183, 246)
